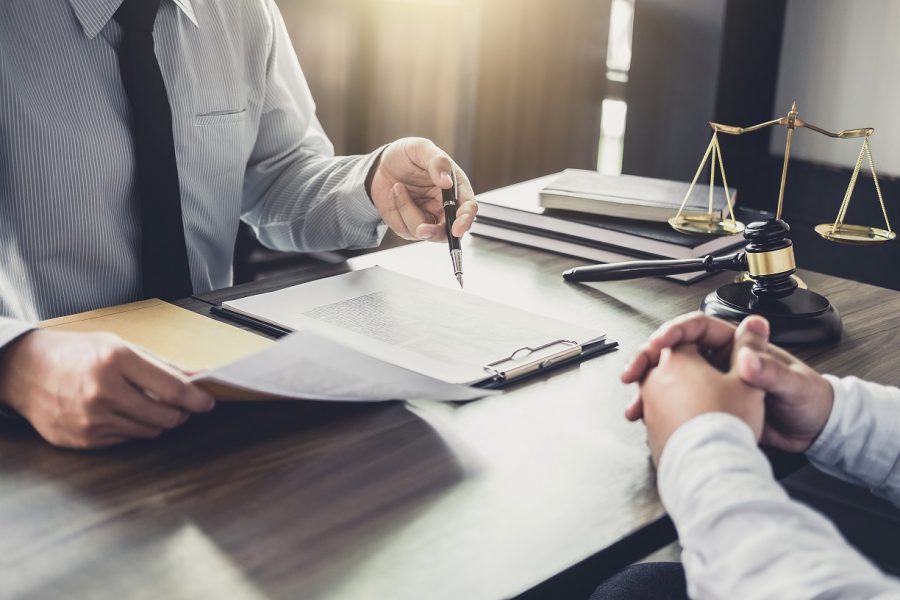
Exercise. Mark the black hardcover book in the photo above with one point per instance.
(517, 205)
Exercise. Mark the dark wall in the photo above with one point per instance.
(671, 89)
(813, 193)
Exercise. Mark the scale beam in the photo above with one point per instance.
(836, 231)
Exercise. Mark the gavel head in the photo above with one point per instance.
(770, 259)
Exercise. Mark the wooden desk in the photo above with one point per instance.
(290, 500)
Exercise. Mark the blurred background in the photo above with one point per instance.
(515, 89)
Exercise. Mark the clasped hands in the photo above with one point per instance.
(696, 364)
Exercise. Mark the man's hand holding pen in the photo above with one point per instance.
(406, 188)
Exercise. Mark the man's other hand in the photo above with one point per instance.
(798, 400)
(684, 384)
(406, 190)
(86, 390)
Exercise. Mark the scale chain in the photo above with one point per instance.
(845, 204)
(868, 149)
(724, 181)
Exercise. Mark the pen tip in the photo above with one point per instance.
(459, 279)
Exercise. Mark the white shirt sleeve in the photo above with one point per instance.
(10, 330)
(861, 440)
(297, 194)
(742, 536)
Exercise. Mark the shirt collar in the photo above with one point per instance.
(95, 14)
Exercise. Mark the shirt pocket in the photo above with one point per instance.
(220, 117)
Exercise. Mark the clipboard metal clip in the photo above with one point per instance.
(515, 365)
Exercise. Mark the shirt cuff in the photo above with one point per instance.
(11, 330)
(859, 442)
(698, 454)
(824, 449)
(353, 197)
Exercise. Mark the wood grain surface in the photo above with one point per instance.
(304, 500)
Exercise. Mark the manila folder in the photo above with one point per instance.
(187, 340)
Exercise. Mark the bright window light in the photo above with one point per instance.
(612, 136)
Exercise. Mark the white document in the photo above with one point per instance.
(441, 332)
(307, 366)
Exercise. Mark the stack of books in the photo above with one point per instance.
(605, 218)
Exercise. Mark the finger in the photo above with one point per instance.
(106, 441)
(686, 356)
(412, 216)
(465, 216)
(134, 405)
(431, 231)
(693, 328)
(769, 373)
(782, 355)
(430, 201)
(122, 427)
(689, 328)
(391, 215)
(635, 410)
(164, 383)
(464, 220)
(467, 206)
(752, 333)
(665, 355)
(424, 154)
(434, 228)
(691, 351)
(638, 365)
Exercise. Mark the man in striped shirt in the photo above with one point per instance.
(134, 136)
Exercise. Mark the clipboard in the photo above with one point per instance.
(438, 331)
(527, 363)
(518, 366)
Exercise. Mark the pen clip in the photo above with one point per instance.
(516, 369)
(450, 196)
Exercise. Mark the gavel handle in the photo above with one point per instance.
(656, 268)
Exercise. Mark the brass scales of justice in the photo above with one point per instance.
(768, 286)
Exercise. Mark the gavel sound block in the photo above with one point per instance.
(797, 316)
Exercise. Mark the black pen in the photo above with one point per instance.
(449, 218)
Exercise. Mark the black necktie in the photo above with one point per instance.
(165, 271)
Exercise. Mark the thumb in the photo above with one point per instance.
(764, 371)
(751, 334)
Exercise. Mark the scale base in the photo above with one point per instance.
(803, 317)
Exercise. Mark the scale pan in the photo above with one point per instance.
(705, 224)
(854, 234)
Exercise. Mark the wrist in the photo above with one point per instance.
(9, 356)
(827, 437)
(708, 433)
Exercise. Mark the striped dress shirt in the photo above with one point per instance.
(247, 142)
